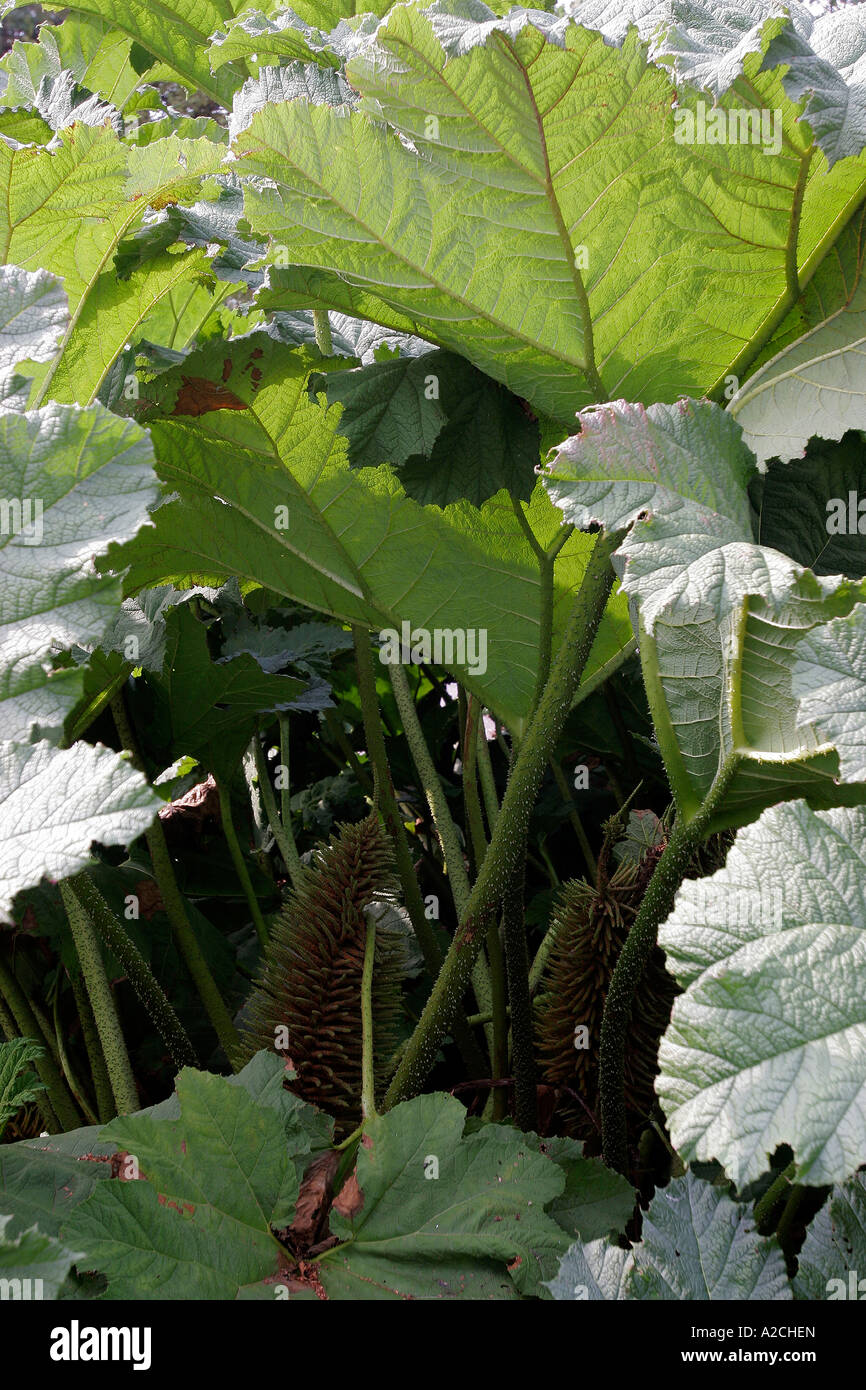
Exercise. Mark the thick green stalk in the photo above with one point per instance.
(657, 902)
(55, 1102)
(368, 1072)
(184, 936)
(105, 1106)
(386, 804)
(280, 829)
(286, 788)
(72, 1080)
(509, 838)
(495, 954)
(7, 1022)
(125, 951)
(102, 1002)
(486, 778)
(239, 862)
(386, 801)
(545, 621)
(449, 839)
(536, 970)
(187, 944)
(322, 325)
(517, 959)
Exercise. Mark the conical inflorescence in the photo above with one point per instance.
(307, 1003)
(590, 927)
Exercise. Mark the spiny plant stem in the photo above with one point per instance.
(517, 959)
(322, 325)
(471, 799)
(286, 788)
(386, 805)
(508, 842)
(633, 959)
(536, 970)
(56, 1102)
(239, 862)
(368, 1073)
(141, 977)
(495, 955)
(280, 829)
(486, 778)
(72, 1080)
(449, 839)
(175, 909)
(105, 1106)
(446, 830)
(386, 802)
(187, 944)
(102, 1001)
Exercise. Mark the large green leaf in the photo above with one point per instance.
(722, 617)
(94, 53)
(829, 680)
(440, 1215)
(67, 209)
(19, 1083)
(293, 517)
(767, 1044)
(33, 314)
(79, 479)
(696, 1245)
(516, 206)
(833, 1258)
(55, 802)
(804, 507)
(815, 385)
(177, 34)
(686, 466)
(214, 1181)
(450, 430)
(207, 709)
(35, 1258)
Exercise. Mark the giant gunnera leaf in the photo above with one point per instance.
(71, 481)
(215, 1178)
(440, 1216)
(696, 1245)
(513, 189)
(831, 1263)
(767, 1044)
(815, 385)
(721, 617)
(266, 492)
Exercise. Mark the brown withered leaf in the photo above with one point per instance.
(197, 396)
(313, 1200)
(350, 1199)
(199, 802)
